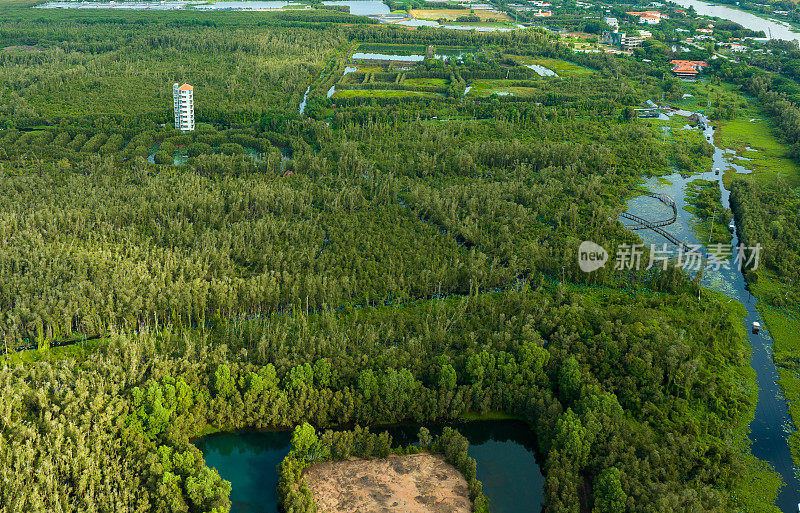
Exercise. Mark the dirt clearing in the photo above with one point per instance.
(417, 483)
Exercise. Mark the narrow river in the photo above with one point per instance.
(772, 424)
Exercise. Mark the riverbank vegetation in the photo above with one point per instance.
(703, 198)
(767, 214)
(765, 206)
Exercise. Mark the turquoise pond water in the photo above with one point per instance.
(504, 451)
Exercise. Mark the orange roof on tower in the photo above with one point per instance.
(186, 87)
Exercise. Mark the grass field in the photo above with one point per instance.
(487, 87)
(379, 93)
(748, 132)
(452, 14)
(579, 44)
(370, 69)
(562, 68)
(75, 351)
(426, 82)
(751, 136)
(391, 48)
(480, 24)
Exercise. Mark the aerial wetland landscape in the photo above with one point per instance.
(419, 256)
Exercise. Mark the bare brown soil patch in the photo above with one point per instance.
(24, 48)
(417, 483)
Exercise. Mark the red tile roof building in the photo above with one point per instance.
(183, 103)
(648, 17)
(687, 69)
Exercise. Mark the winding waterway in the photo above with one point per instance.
(504, 451)
(774, 29)
(772, 424)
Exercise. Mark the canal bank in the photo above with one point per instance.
(772, 425)
(773, 29)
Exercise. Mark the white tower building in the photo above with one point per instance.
(183, 99)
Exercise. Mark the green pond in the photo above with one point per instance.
(504, 451)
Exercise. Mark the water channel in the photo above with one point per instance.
(773, 28)
(504, 451)
(772, 424)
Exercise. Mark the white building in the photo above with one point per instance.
(183, 103)
(611, 22)
(648, 17)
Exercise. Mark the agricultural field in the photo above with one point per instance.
(560, 67)
(381, 93)
(488, 87)
(424, 82)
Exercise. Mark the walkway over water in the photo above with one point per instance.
(772, 425)
(656, 226)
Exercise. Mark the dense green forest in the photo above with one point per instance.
(768, 215)
(606, 380)
(402, 252)
(129, 243)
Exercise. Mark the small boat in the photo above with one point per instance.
(756, 328)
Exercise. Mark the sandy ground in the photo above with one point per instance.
(26, 48)
(418, 483)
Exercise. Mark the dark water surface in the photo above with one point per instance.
(504, 451)
(249, 461)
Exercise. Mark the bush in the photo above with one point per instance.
(162, 157)
(231, 149)
(199, 148)
(167, 147)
